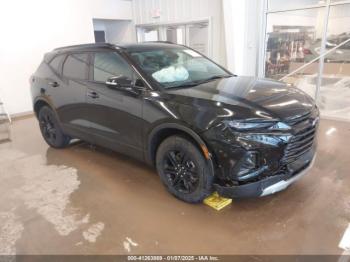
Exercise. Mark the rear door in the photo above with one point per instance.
(69, 94)
(115, 114)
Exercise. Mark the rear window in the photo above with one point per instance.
(76, 66)
(56, 63)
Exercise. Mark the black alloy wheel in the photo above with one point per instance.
(181, 171)
(184, 170)
(50, 129)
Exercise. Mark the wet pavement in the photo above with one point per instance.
(88, 200)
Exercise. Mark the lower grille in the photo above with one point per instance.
(299, 144)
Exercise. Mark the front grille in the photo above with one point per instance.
(302, 141)
(292, 121)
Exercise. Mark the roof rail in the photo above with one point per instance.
(85, 46)
(161, 42)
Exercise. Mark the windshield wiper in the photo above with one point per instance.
(198, 82)
(192, 84)
(212, 78)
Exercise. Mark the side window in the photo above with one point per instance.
(76, 66)
(56, 63)
(108, 64)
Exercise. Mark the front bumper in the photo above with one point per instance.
(267, 186)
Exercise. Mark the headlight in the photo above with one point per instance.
(242, 125)
(249, 124)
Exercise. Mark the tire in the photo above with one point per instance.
(183, 169)
(51, 130)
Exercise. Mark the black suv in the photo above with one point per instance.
(203, 128)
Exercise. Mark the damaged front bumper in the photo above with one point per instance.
(272, 184)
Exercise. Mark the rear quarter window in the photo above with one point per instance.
(76, 66)
(56, 63)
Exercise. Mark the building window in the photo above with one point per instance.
(295, 50)
(195, 35)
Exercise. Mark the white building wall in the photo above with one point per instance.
(31, 28)
(179, 11)
(243, 21)
(120, 32)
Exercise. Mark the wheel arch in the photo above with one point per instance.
(39, 103)
(160, 133)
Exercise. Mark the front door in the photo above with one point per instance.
(115, 114)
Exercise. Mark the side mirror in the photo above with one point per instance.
(119, 82)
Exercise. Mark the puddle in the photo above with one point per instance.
(45, 189)
(10, 231)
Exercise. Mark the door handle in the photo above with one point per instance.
(93, 94)
(53, 84)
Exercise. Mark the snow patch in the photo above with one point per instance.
(47, 189)
(10, 231)
(93, 232)
(128, 243)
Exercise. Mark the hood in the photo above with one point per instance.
(262, 97)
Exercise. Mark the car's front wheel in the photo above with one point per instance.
(50, 128)
(184, 170)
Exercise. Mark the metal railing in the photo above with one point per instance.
(315, 59)
(2, 107)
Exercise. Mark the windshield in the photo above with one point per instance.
(177, 67)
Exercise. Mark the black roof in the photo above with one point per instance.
(97, 46)
(149, 46)
(131, 47)
(84, 46)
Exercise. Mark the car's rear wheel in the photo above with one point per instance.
(50, 128)
(184, 170)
